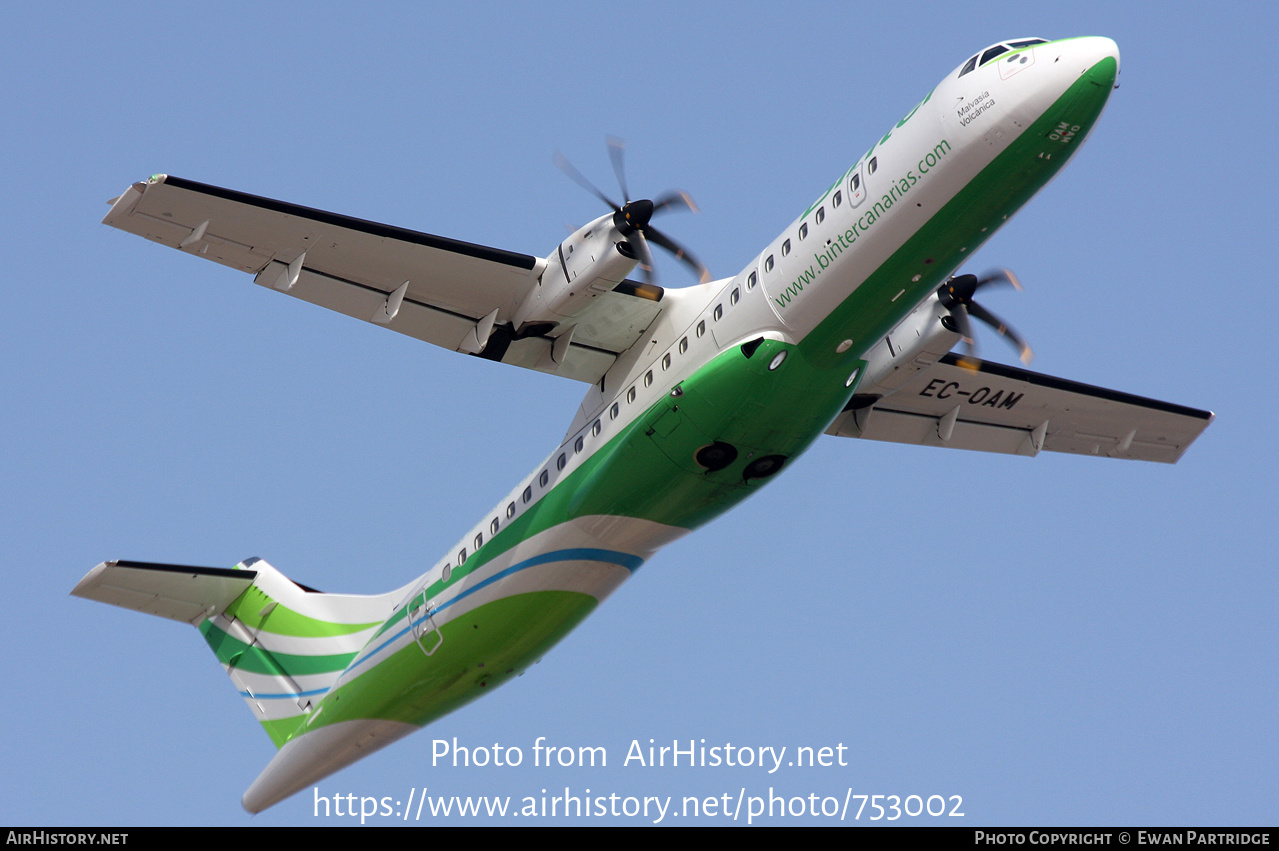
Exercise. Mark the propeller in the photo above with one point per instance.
(632, 217)
(957, 296)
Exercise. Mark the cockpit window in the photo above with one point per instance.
(995, 50)
(992, 52)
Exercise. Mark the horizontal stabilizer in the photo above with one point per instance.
(179, 592)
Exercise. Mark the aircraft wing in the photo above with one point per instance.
(998, 408)
(454, 294)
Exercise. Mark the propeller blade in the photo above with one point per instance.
(675, 198)
(632, 217)
(1003, 329)
(998, 276)
(680, 252)
(616, 147)
(964, 326)
(645, 257)
(957, 295)
(562, 163)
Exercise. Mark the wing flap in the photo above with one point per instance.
(998, 408)
(925, 430)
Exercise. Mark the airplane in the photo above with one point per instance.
(696, 396)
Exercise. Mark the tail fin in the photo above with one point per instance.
(283, 645)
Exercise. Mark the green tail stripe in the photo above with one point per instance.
(234, 652)
(283, 620)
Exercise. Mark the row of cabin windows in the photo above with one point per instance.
(835, 201)
(751, 281)
(580, 444)
(614, 411)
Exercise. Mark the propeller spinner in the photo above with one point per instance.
(957, 296)
(632, 217)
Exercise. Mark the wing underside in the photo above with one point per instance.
(454, 294)
(998, 408)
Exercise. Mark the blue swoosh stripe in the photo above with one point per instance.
(626, 560)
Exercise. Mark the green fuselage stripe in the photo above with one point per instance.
(648, 471)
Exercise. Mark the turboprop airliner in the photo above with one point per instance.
(696, 397)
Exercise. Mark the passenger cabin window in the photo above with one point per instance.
(803, 230)
(683, 345)
(561, 462)
(701, 326)
(821, 215)
(461, 558)
(493, 527)
(479, 540)
(666, 361)
(752, 278)
(612, 412)
(786, 248)
(648, 378)
(839, 196)
(630, 397)
(856, 182)
(544, 478)
(595, 427)
(736, 294)
(510, 510)
(768, 264)
(872, 165)
(528, 494)
(719, 311)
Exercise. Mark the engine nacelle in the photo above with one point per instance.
(592, 261)
(915, 344)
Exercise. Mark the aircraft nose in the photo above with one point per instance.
(1095, 51)
(1105, 48)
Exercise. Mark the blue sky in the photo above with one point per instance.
(1061, 640)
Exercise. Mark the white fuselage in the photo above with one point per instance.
(813, 281)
